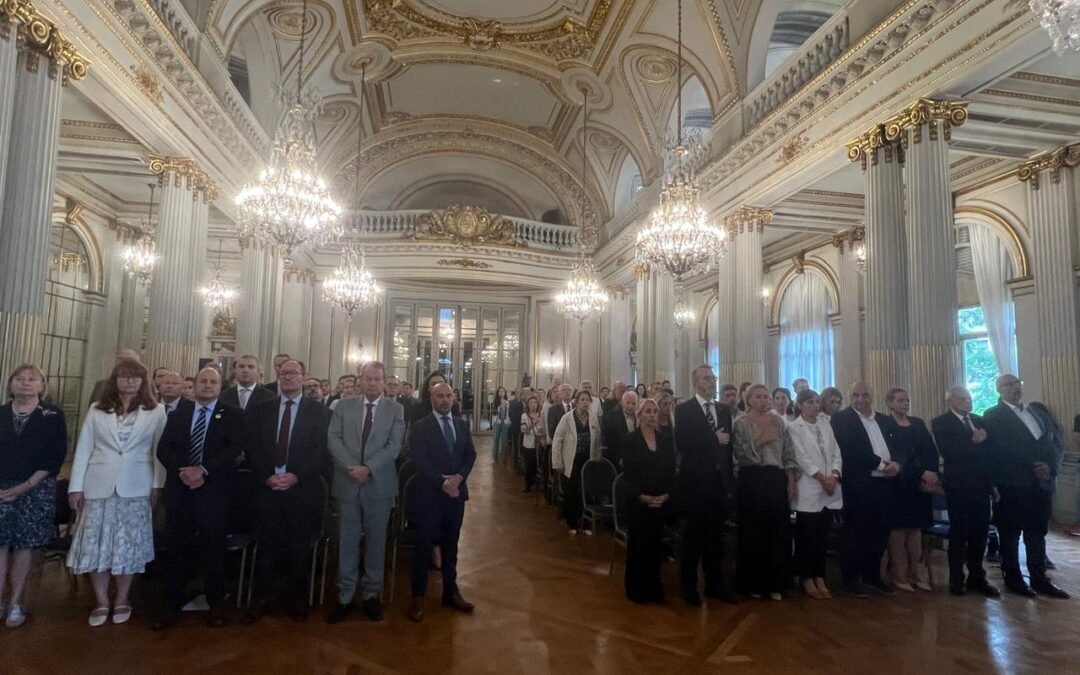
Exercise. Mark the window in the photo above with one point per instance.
(980, 366)
(806, 337)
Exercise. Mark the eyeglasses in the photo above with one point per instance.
(129, 377)
(289, 373)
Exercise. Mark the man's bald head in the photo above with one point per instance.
(959, 400)
(862, 398)
(442, 398)
(207, 385)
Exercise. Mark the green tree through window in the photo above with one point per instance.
(980, 366)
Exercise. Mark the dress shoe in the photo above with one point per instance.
(216, 617)
(856, 589)
(372, 608)
(1047, 588)
(1020, 588)
(723, 595)
(905, 587)
(881, 587)
(985, 589)
(338, 613)
(416, 610)
(165, 620)
(455, 601)
(692, 599)
(1050, 564)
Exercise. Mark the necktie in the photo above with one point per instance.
(368, 421)
(281, 452)
(448, 433)
(709, 417)
(967, 423)
(245, 394)
(198, 436)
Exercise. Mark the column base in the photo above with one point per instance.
(20, 334)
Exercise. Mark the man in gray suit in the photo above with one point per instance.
(364, 440)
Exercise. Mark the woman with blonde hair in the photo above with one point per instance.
(115, 482)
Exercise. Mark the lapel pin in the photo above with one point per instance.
(217, 416)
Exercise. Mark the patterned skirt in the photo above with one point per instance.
(27, 522)
(113, 535)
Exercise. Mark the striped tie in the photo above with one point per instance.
(198, 436)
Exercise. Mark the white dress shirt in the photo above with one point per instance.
(244, 394)
(1024, 413)
(877, 442)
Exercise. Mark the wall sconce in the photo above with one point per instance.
(860, 258)
(766, 295)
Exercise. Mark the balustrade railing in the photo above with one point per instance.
(404, 224)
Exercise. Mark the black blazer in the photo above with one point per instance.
(225, 438)
(855, 449)
(273, 388)
(308, 456)
(614, 432)
(705, 467)
(555, 414)
(514, 412)
(231, 396)
(41, 446)
(916, 456)
(1015, 450)
(645, 471)
(427, 450)
(968, 470)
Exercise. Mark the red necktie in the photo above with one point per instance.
(368, 421)
(281, 452)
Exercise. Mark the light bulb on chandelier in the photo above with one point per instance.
(140, 255)
(217, 294)
(683, 315)
(1061, 20)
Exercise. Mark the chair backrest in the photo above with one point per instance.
(597, 479)
(322, 522)
(243, 501)
(406, 471)
(404, 505)
(618, 499)
(940, 508)
(64, 512)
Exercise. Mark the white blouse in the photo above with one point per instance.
(815, 451)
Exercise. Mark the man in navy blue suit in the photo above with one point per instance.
(443, 452)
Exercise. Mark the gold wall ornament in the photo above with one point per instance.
(481, 35)
(466, 226)
(39, 35)
(792, 149)
(65, 260)
(186, 173)
(924, 112)
(463, 263)
(299, 274)
(148, 83)
(850, 237)
(746, 219)
(1052, 161)
(224, 325)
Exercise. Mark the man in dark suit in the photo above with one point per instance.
(564, 404)
(703, 455)
(962, 441)
(514, 412)
(616, 424)
(279, 360)
(247, 390)
(1027, 450)
(346, 384)
(442, 450)
(290, 461)
(198, 449)
(869, 456)
(610, 405)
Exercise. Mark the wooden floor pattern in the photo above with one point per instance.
(545, 604)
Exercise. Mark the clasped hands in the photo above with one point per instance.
(654, 501)
(282, 481)
(360, 473)
(452, 485)
(723, 436)
(891, 469)
(193, 477)
(829, 482)
(978, 436)
(1042, 470)
(14, 492)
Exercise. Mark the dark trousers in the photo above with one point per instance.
(513, 437)
(571, 490)
(195, 530)
(812, 542)
(530, 466)
(1023, 511)
(764, 552)
(645, 552)
(703, 545)
(969, 524)
(286, 521)
(867, 523)
(438, 522)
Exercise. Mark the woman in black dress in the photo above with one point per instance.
(649, 481)
(912, 501)
(33, 442)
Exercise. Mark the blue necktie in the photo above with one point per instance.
(198, 436)
(448, 433)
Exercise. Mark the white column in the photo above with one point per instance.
(849, 365)
(173, 287)
(273, 285)
(725, 302)
(27, 207)
(663, 321)
(296, 314)
(772, 356)
(933, 338)
(200, 225)
(249, 310)
(1054, 234)
(616, 337)
(749, 361)
(8, 76)
(132, 313)
(643, 328)
(887, 354)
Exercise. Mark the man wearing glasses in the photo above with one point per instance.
(289, 459)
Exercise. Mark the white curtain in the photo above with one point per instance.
(993, 267)
(806, 338)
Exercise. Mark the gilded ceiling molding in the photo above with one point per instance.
(302, 275)
(463, 263)
(747, 219)
(1053, 161)
(185, 173)
(148, 83)
(39, 36)
(567, 38)
(466, 226)
(923, 112)
(849, 237)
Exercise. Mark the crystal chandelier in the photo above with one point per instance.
(217, 294)
(489, 355)
(583, 297)
(1061, 19)
(683, 315)
(289, 206)
(679, 238)
(352, 287)
(140, 256)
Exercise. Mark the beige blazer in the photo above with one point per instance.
(103, 465)
(564, 442)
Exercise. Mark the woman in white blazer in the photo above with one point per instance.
(115, 481)
(818, 495)
(576, 440)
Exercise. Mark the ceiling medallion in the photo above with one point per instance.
(680, 239)
(466, 226)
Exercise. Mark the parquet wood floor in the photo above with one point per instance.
(545, 604)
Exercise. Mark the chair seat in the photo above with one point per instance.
(937, 530)
(601, 509)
